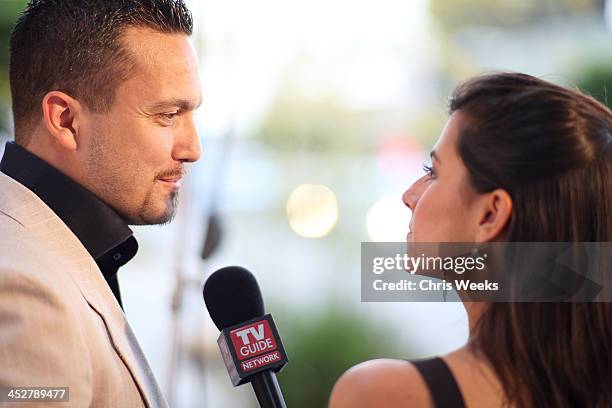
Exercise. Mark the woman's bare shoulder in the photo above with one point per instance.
(380, 383)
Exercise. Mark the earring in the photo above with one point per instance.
(475, 253)
(444, 290)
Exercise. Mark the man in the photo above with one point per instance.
(103, 96)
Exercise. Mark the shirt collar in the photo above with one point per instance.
(99, 228)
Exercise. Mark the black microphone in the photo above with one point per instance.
(249, 342)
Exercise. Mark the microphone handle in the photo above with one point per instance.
(267, 390)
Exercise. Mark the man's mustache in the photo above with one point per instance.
(174, 173)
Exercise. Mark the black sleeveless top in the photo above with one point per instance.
(441, 383)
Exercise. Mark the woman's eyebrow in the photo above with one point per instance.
(433, 155)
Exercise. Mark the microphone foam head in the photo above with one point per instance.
(232, 296)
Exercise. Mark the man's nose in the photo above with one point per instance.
(187, 145)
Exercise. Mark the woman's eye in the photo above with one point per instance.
(429, 171)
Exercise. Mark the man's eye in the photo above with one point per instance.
(169, 116)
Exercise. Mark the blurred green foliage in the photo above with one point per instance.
(596, 80)
(320, 349)
(455, 14)
(296, 123)
(9, 11)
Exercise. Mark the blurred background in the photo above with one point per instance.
(317, 116)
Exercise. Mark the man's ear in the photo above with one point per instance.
(494, 215)
(62, 115)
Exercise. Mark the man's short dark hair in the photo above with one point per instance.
(74, 46)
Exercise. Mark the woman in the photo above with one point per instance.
(520, 159)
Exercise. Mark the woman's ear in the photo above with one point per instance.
(494, 214)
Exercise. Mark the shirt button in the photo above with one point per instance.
(117, 256)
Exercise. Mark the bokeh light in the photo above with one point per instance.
(312, 210)
(388, 220)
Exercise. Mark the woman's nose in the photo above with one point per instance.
(412, 195)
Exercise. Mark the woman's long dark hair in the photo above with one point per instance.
(550, 148)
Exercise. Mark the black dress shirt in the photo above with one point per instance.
(105, 235)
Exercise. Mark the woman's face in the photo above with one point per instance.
(444, 204)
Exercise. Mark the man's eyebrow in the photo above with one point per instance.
(182, 104)
(433, 155)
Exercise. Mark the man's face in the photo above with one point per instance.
(134, 155)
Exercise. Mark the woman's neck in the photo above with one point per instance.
(474, 312)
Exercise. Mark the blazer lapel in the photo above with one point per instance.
(21, 204)
(124, 341)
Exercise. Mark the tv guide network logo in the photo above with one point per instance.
(252, 347)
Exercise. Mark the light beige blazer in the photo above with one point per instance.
(60, 325)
